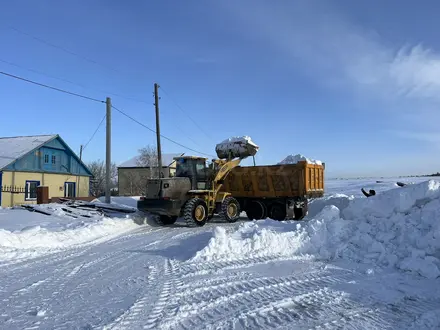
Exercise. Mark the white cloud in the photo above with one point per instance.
(432, 137)
(405, 80)
(417, 72)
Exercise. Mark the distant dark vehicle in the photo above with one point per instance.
(370, 193)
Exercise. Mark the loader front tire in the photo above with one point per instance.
(195, 212)
(230, 209)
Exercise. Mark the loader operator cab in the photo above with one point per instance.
(195, 169)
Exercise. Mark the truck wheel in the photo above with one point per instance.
(256, 211)
(166, 220)
(195, 212)
(278, 212)
(299, 213)
(230, 210)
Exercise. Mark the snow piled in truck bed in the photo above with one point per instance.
(396, 228)
(294, 159)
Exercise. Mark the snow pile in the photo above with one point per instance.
(294, 159)
(397, 228)
(26, 234)
(237, 147)
(252, 239)
(341, 201)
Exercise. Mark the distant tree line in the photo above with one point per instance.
(434, 174)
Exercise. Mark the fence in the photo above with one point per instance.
(13, 189)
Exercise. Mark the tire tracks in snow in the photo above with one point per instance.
(225, 301)
(190, 269)
(148, 310)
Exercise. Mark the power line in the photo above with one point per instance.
(152, 130)
(71, 82)
(38, 72)
(96, 131)
(181, 109)
(50, 87)
(61, 48)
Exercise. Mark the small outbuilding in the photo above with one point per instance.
(132, 177)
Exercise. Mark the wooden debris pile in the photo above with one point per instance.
(78, 209)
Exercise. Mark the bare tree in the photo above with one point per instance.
(148, 158)
(134, 182)
(97, 185)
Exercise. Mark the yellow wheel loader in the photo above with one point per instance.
(195, 191)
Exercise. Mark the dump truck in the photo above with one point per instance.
(196, 193)
(280, 192)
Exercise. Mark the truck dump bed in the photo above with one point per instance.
(274, 181)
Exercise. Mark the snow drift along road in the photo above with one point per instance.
(397, 228)
(24, 234)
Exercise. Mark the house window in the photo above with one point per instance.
(54, 159)
(46, 159)
(70, 189)
(30, 193)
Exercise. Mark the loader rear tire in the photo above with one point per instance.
(195, 212)
(230, 209)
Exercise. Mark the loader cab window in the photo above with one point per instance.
(201, 170)
(183, 168)
(192, 168)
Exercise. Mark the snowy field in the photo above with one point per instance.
(354, 263)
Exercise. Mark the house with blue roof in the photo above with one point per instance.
(27, 162)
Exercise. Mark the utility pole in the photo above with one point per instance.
(108, 158)
(78, 177)
(159, 151)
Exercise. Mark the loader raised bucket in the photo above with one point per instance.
(240, 147)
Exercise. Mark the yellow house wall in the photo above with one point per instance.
(55, 182)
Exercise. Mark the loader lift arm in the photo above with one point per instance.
(226, 167)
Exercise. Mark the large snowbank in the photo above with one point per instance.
(353, 186)
(27, 234)
(396, 228)
(294, 159)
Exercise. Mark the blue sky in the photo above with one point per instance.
(353, 84)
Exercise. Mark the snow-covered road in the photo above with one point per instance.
(135, 281)
(205, 278)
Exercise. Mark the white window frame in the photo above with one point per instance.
(27, 192)
(66, 188)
